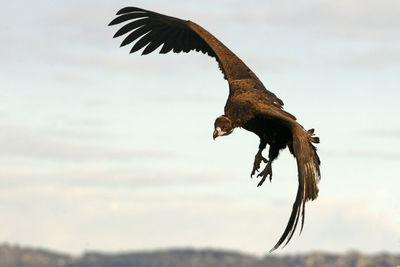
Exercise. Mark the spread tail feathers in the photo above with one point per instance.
(309, 174)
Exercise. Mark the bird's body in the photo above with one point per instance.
(249, 105)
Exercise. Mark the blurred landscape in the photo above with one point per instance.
(13, 256)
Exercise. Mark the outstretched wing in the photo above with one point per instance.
(309, 175)
(150, 30)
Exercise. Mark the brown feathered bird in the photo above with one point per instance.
(250, 105)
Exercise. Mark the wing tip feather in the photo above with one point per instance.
(129, 9)
(113, 22)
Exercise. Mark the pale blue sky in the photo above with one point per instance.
(102, 150)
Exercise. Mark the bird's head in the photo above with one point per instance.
(222, 126)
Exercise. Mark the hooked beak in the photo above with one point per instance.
(218, 132)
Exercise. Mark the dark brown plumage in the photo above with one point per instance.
(250, 105)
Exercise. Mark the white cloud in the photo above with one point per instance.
(27, 143)
(351, 224)
(374, 154)
(378, 133)
(377, 58)
(372, 20)
(112, 219)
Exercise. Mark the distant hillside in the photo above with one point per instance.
(14, 256)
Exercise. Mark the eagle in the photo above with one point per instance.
(249, 105)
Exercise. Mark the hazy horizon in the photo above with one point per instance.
(192, 248)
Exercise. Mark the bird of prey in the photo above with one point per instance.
(250, 105)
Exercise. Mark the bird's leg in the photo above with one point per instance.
(257, 161)
(272, 154)
(264, 174)
(258, 158)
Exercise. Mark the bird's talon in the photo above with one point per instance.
(257, 162)
(265, 173)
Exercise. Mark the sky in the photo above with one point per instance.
(102, 150)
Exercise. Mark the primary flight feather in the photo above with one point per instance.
(250, 105)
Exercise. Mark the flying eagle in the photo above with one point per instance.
(250, 105)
